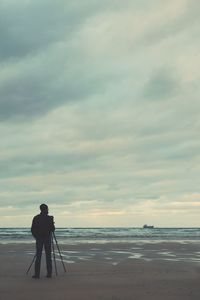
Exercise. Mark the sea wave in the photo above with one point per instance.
(106, 234)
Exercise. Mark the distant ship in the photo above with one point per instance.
(148, 226)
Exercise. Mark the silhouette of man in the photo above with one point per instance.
(42, 228)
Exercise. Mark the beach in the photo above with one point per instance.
(105, 271)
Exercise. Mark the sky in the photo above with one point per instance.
(100, 112)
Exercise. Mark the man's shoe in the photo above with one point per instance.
(35, 277)
(49, 276)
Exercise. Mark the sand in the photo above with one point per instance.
(125, 271)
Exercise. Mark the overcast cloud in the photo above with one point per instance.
(99, 112)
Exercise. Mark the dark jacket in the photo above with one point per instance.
(42, 226)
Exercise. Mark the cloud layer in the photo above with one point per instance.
(99, 112)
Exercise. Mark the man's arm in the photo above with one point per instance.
(33, 228)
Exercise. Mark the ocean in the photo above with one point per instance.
(104, 235)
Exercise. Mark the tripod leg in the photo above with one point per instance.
(59, 252)
(31, 264)
(54, 256)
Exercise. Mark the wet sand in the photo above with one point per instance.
(113, 271)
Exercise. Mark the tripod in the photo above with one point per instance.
(54, 257)
(53, 237)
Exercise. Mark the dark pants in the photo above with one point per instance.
(46, 242)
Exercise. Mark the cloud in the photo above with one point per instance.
(42, 64)
(30, 27)
(161, 86)
(99, 111)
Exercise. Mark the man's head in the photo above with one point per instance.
(44, 209)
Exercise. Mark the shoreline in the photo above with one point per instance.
(104, 272)
(115, 252)
(72, 241)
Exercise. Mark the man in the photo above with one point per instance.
(42, 228)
